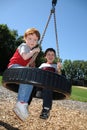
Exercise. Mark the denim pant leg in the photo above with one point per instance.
(24, 92)
(47, 98)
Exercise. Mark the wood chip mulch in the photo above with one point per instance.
(65, 114)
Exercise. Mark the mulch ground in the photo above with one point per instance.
(65, 114)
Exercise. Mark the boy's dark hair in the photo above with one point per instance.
(50, 49)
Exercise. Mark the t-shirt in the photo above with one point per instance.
(23, 48)
(17, 56)
(49, 67)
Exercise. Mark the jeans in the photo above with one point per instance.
(25, 90)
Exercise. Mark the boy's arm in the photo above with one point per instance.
(31, 53)
(59, 67)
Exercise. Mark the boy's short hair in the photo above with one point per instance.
(49, 49)
(30, 32)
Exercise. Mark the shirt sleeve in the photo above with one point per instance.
(23, 48)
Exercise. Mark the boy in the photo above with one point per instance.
(47, 95)
(22, 57)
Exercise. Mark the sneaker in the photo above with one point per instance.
(21, 110)
(45, 113)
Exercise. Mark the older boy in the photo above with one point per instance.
(22, 57)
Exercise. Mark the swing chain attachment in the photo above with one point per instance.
(53, 5)
(54, 2)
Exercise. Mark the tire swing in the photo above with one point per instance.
(39, 78)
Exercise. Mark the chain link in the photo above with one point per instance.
(46, 27)
(57, 45)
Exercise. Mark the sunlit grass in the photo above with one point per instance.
(0, 79)
(79, 93)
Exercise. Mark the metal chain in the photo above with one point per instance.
(57, 45)
(45, 28)
(32, 59)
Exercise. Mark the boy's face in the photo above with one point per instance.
(31, 40)
(50, 56)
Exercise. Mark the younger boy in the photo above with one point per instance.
(22, 57)
(47, 94)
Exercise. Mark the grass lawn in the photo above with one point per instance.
(79, 93)
(0, 79)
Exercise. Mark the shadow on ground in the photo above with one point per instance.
(7, 126)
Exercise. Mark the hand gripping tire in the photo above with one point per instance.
(12, 77)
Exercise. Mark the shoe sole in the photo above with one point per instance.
(44, 117)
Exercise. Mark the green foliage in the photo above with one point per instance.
(79, 94)
(8, 43)
(19, 40)
(75, 69)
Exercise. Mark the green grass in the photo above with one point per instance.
(79, 94)
(0, 79)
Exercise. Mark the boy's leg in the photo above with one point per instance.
(47, 98)
(24, 95)
(47, 103)
(21, 107)
(24, 92)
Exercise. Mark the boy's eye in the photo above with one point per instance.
(50, 54)
(33, 40)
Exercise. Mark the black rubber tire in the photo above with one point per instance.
(37, 77)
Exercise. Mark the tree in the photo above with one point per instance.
(75, 69)
(7, 45)
(67, 65)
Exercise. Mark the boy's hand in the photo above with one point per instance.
(36, 50)
(59, 67)
(32, 65)
(35, 46)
